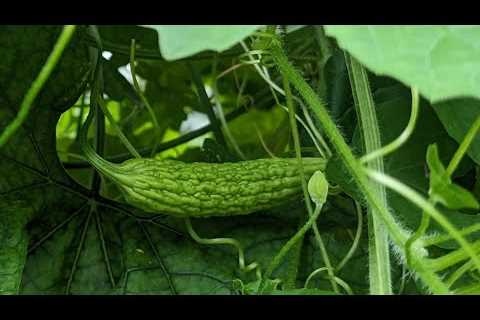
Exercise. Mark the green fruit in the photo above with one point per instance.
(210, 189)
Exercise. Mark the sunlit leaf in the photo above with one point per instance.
(178, 42)
(442, 61)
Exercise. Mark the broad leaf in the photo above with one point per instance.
(442, 61)
(178, 42)
(13, 244)
(442, 189)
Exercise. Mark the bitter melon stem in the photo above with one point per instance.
(107, 168)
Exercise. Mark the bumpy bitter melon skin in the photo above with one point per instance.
(211, 189)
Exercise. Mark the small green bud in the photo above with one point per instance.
(318, 188)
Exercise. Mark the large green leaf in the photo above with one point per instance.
(442, 61)
(178, 42)
(13, 245)
(32, 178)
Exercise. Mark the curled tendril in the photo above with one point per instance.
(225, 241)
(339, 281)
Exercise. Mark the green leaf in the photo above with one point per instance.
(441, 61)
(442, 189)
(13, 245)
(178, 42)
(31, 171)
(437, 170)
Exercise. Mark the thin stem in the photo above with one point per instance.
(205, 104)
(402, 138)
(462, 149)
(224, 241)
(315, 136)
(337, 280)
(452, 258)
(286, 248)
(97, 87)
(324, 44)
(325, 53)
(275, 88)
(314, 140)
(233, 68)
(459, 272)
(296, 140)
(38, 83)
(80, 116)
(356, 240)
(221, 115)
(403, 279)
(312, 127)
(118, 130)
(470, 289)
(263, 143)
(144, 99)
(313, 274)
(437, 239)
(93, 157)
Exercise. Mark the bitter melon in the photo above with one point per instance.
(210, 189)
(205, 189)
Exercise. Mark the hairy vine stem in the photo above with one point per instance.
(379, 251)
(354, 167)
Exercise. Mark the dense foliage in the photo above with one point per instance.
(392, 111)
